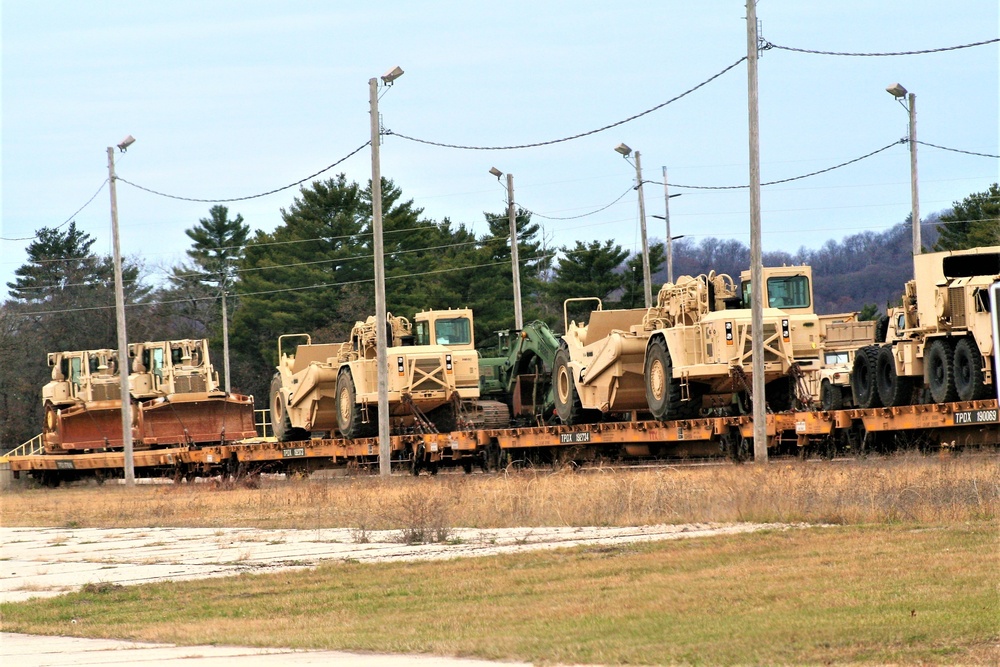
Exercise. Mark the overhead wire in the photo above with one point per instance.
(770, 45)
(956, 150)
(68, 220)
(257, 196)
(428, 142)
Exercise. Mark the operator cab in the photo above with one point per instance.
(451, 328)
(787, 288)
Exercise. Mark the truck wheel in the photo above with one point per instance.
(969, 382)
(863, 374)
(831, 397)
(568, 406)
(893, 389)
(940, 369)
(349, 417)
(281, 421)
(663, 395)
(881, 328)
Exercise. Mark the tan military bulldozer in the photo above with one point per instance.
(333, 387)
(82, 401)
(178, 397)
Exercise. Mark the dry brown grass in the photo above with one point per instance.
(907, 488)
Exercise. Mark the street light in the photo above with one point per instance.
(381, 355)
(625, 151)
(123, 364)
(515, 264)
(897, 91)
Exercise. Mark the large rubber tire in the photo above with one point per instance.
(881, 328)
(893, 389)
(568, 406)
(831, 396)
(939, 365)
(281, 421)
(864, 387)
(349, 417)
(663, 395)
(970, 384)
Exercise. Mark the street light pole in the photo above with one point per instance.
(225, 339)
(899, 92)
(756, 267)
(914, 196)
(647, 281)
(381, 354)
(516, 266)
(123, 362)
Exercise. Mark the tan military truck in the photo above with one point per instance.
(82, 401)
(178, 398)
(940, 343)
(333, 387)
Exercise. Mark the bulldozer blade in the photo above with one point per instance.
(193, 419)
(87, 427)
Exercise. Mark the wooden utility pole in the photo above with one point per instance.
(670, 239)
(914, 197)
(123, 361)
(381, 356)
(756, 267)
(516, 266)
(225, 338)
(647, 280)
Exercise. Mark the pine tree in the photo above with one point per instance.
(972, 222)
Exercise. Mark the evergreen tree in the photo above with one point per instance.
(972, 222)
(588, 270)
(633, 292)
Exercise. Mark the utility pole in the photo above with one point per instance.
(670, 240)
(646, 279)
(225, 338)
(512, 216)
(914, 197)
(384, 448)
(123, 362)
(756, 268)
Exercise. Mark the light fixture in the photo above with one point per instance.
(896, 90)
(126, 142)
(496, 172)
(623, 149)
(392, 75)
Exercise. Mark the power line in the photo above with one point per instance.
(769, 45)
(68, 220)
(956, 150)
(257, 196)
(575, 136)
(582, 215)
(793, 178)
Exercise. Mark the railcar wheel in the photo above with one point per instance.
(893, 389)
(940, 369)
(969, 381)
(831, 397)
(663, 395)
(349, 417)
(863, 384)
(568, 406)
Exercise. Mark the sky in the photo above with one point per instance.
(230, 99)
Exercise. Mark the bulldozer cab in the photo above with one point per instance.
(786, 287)
(169, 367)
(451, 328)
(84, 375)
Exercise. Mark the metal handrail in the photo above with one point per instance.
(29, 448)
(262, 421)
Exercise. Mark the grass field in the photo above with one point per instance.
(909, 573)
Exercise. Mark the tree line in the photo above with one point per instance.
(314, 274)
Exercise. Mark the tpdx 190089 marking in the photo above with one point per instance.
(976, 416)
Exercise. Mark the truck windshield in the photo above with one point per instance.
(453, 331)
(788, 292)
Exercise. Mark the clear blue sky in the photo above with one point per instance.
(229, 99)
